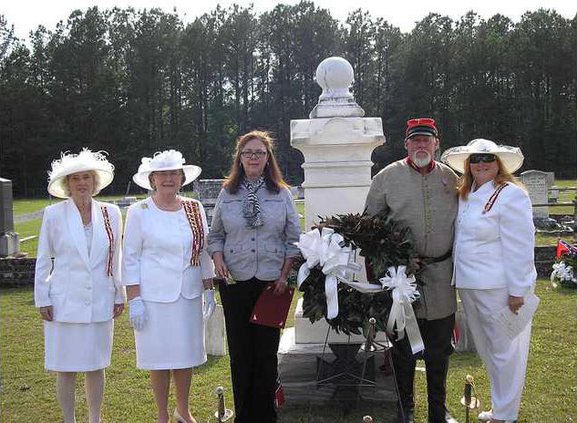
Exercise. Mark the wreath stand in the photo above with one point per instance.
(346, 373)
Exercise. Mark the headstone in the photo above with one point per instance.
(9, 244)
(207, 190)
(214, 333)
(538, 183)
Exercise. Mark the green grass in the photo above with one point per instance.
(28, 390)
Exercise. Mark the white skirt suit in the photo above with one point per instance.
(493, 256)
(78, 285)
(156, 256)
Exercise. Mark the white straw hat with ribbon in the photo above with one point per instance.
(85, 161)
(165, 160)
(511, 157)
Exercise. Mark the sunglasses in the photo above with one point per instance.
(482, 158)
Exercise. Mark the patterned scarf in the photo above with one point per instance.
(250, 205)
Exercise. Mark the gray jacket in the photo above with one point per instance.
(255, 252)
(428, 205)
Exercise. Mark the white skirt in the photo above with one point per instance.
(77, 347)
(173, 336)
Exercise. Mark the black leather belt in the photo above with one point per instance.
(430, 260)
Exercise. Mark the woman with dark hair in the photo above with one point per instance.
(494, 267)
(254, 228)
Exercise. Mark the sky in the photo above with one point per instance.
(26, 15)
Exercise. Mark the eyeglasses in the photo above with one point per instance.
(249, 154)
(482, 158)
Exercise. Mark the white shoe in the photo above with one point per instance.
(485, 416)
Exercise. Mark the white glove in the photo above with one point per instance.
(209, 304)
(137, 313)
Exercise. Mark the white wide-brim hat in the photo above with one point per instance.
(511, 157)
(165, 160)
(85, 161)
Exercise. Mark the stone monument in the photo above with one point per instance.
(9, 243)
(337, 143)
(538, 183)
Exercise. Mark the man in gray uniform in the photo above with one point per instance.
(420, 193)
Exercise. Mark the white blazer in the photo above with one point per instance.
(495, 249)
(74, 282)
(155, 257)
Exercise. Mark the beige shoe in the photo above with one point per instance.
(180, 419)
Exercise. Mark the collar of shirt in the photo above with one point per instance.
(412, 164)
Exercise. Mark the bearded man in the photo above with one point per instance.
(421, 194)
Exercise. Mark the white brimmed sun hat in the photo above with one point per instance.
(85, 161)
(165, 160)
(511, 157)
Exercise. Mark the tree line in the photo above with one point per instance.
(133, 82)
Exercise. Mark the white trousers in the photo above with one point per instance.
(505, 358)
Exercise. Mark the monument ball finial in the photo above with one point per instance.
(335, 75)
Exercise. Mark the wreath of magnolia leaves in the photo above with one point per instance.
(383, 243)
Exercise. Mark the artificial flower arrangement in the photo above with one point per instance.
(327, 270)
(565, 266)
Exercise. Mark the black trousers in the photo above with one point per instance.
(253, 353)
(436, 336)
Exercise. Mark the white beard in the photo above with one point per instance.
(423, 162)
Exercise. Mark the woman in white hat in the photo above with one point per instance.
(494, 267)
(77, 285)
(166, 270)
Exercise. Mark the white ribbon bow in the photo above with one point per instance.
(404, 293)
(324, 248)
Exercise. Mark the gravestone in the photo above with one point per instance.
(538, 183)
(207, 190)
(9, 243)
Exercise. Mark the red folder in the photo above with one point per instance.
(272, 309)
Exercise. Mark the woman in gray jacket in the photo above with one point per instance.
(254, 228)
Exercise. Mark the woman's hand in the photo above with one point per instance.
(219, 267)
(280, 286)
(209, 304)
(515, 303)
(47, 313)
(118, 309)
(137, 313)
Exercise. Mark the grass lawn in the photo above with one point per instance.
(28, 390)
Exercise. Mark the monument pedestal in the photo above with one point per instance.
(308, 379)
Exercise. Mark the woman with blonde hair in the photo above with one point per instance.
(77, 281)
(494, 264)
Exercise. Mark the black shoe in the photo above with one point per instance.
(448, 419)
(405, 416)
